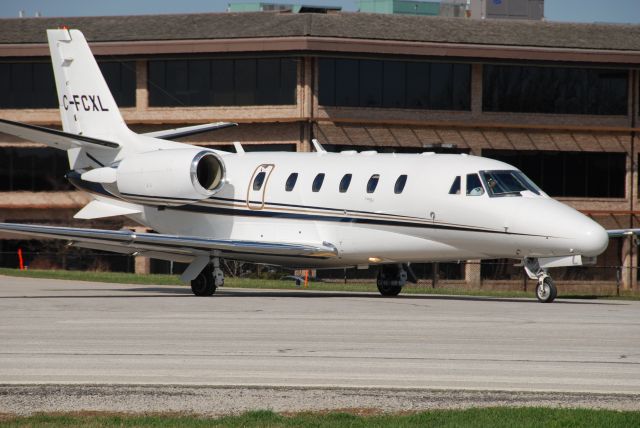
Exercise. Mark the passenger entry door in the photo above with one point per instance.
(258, 186)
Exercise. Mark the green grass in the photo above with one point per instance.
(487, 417)
(157, 279)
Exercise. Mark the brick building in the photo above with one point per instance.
(558, 100)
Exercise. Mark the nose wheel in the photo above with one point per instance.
(546, 290)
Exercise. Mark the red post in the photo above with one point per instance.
(306, 279)
(20, 259)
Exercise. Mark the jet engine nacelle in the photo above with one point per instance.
(170, 177)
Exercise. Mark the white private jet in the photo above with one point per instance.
(304, 210)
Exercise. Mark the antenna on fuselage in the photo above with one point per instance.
(238, 146)
(318, 146)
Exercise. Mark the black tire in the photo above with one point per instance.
(203, 284)
(387, 274)
(546, 291)
(389, 290)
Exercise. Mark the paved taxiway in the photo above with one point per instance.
(61, 332)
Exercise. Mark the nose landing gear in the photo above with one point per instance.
(546, 290)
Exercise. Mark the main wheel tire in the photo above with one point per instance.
(546, 291)
(387, 274)
(390, 290)
(203, 284)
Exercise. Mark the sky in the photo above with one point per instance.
(620, 11)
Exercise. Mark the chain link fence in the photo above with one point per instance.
(487, 274)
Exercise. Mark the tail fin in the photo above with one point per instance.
(86, 104)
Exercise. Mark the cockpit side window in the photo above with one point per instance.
(474, 186)
(508, 183)
(455, 187)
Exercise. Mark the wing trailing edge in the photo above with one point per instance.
(169, 247)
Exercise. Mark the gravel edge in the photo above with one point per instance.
(225, 400)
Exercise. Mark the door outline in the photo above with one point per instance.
(255, 198)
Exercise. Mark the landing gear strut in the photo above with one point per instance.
(391, 279)
(546, 290)
(206, 283)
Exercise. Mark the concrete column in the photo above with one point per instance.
(476, 90)
(629, 261)
(472, 275)
(305, 102)
(142, 92)
(142, 265)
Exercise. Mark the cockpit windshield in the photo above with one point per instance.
(508, 183)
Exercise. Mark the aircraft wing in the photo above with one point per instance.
(51, 137)
(168, 247)
(171, 134)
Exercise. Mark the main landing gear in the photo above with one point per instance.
(391, 278)
(546, 290)
(206, 283)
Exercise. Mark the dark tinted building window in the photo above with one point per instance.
(394, 84)
(559, 90)
(27, 85)
(32, 85)
(121, 79)
(571, 174)
(33, 169)
(222, 82)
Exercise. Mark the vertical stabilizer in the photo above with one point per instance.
(86, 104)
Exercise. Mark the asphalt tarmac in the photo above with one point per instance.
(56, 332)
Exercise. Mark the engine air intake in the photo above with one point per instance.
(207, 171)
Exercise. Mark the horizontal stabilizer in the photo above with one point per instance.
(99, 209)
(52, 137)
(170, 134)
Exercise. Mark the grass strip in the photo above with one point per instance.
(496, 417)
(160, 279)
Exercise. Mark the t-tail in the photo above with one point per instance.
(86, 104)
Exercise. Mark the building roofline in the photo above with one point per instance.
(338, 45)
(342, 32)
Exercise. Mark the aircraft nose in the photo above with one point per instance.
(590, 238)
